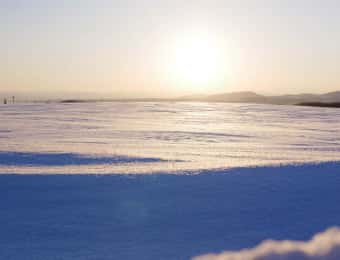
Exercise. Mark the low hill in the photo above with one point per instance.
(236, 97)
(252, 97)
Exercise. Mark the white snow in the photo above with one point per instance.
(178, 136)
(168, 181)
(325, 246)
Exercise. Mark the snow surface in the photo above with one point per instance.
(177, 136)
(163, 216)
(211, 178)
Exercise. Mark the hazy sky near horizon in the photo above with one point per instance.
(127, 48)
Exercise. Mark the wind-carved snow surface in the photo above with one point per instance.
(323, 246)
(164, 137)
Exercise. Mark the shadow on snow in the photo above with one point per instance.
(65, 159)
(164, 216)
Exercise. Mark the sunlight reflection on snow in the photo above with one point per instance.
(185, 136)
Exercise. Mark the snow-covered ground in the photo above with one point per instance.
(174, 136)
(211, 178)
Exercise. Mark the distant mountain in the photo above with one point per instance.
(245, 96)
(252, 97)
(293, 99)
(331, 97)
(235, 97)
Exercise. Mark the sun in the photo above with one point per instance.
(198, 61)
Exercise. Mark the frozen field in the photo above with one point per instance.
(162, 137)
(164, 181)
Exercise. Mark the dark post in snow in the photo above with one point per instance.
(5, 101)
(13, 99)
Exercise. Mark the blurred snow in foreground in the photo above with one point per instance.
(325, 246)
(164, 216)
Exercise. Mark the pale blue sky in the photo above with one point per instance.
(122, 47)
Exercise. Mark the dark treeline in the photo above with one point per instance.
(320, 104)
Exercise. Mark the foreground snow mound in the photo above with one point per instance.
(324, 246)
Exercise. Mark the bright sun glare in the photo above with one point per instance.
(198, 62)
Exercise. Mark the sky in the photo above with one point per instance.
(168, 48)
